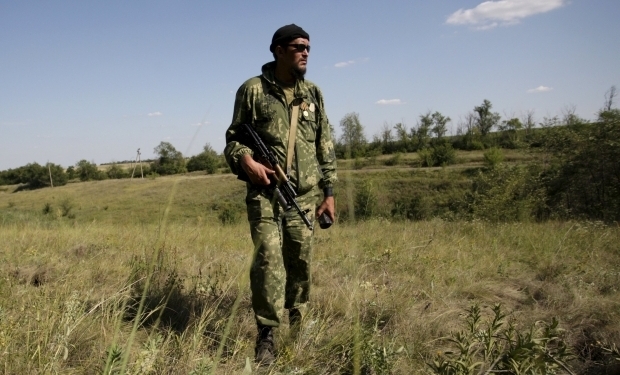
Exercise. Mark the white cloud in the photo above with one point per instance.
(389, 102)
(201, 123)
(540, 88)
(490, 14)
(155, 114)
(344, 64)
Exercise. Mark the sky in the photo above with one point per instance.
(96, 80)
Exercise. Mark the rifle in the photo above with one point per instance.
(282, 187)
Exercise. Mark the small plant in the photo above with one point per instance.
(47, 208)
(495, 346)
(443, 154)
(426, 157)
(493, 156)
(229, 216)
(365, 201)
(113, 361)
(65, 207)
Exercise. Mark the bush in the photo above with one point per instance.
(88, 171)
(495, 345)
(396, 159)
(116, 172)
(365, 204)
(493, 156)
(426, 157)
(443, 154)
(205, 161)
(416, 207)
(34, 176)
(507, 194)
(585, 179)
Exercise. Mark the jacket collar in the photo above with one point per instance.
(269, 74)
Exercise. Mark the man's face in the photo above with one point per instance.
(293, 59)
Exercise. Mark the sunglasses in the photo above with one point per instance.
(300, 47)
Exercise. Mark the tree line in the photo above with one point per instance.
(168, 161)
(478, 130)
(579, 178)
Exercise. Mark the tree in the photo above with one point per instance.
(207, 160)
(528, 121)
(116, 172)
(71, 173)
(386, 136)
(510, 130)
(439, 124)
(610, 95)
(352, 137)
(422, 132)
(486, 119)
(88, 171)
(169, 160)
(402, 135)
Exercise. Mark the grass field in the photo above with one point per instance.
(141, 277)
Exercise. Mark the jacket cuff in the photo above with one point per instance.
(239, 154)
(328, 191)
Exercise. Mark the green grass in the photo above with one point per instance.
(465, 159)
(384, 291)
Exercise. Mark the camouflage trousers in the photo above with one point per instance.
(280, 272)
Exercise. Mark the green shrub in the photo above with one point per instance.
(229, 216)
(507, 194)
(493, 156)
(495, 345)
(416, 207)
(365, 204)
(443, 154)
(426, 157)
(475, 145)
(116, 172)
(65, 208)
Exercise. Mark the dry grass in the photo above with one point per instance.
(383, 293)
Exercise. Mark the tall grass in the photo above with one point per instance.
(383, 293)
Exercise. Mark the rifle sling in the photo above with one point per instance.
(291, 138)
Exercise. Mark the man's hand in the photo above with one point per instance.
(328, 207)
(258, 173)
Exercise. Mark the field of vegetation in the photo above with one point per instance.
(150, 276)
(475, 254)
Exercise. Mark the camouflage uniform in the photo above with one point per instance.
(280, 274)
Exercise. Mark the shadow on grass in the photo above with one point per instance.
(168, 305)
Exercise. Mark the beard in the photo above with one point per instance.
(298, 72)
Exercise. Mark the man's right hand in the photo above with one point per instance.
(258, 173)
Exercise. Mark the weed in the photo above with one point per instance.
(65, 207)
(365, 201)
(396, 159)
(493, 156)
(495, 345)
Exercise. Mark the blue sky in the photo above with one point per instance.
(98, 80)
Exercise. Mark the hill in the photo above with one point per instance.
(151, 276)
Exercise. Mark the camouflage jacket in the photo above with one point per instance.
(261, 103)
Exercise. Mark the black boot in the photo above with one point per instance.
(265, 351)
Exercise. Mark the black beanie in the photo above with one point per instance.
(287, 33)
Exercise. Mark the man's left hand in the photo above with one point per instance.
(328, 207)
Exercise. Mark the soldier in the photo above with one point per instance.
(280, 272)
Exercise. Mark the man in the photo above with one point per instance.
(280, 273)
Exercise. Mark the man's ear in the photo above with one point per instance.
(279, 51)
